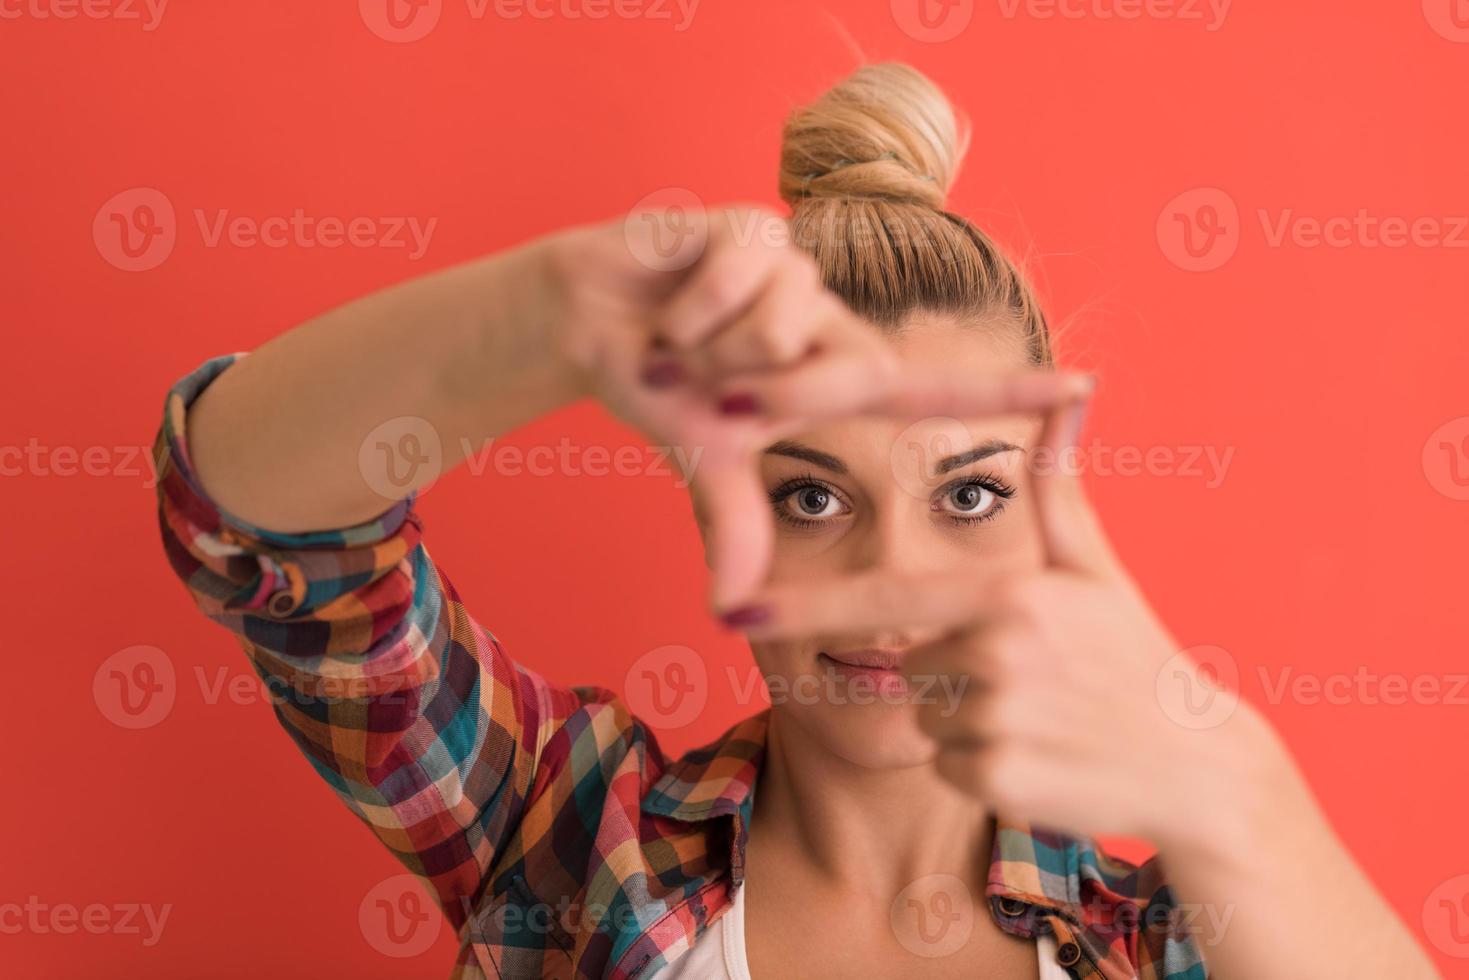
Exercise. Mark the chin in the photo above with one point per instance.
(870, 736)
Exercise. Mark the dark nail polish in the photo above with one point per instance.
(740, 404)
(663, 374)
(746, 616)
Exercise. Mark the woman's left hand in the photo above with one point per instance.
(1069, 704)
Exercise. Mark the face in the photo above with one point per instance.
(895, 495)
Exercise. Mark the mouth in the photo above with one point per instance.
(879, 669)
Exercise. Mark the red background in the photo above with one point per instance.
(1327, 549)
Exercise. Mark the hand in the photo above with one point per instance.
(1062, 719)
(731, 347)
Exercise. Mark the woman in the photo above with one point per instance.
(881, 384)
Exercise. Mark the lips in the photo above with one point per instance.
(869, 659)
(867, 676)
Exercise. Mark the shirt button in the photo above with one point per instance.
(1069, 954)
(1012, 907)
(281, 604)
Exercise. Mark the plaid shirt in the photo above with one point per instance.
(556, 836)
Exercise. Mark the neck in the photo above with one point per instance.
(861, 827)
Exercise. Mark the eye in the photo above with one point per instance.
(807, 502)
(973, 500)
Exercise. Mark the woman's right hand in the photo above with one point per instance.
(717, 347)
(729, 342)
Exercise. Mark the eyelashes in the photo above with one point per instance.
(807, 502)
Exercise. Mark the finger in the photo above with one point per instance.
(1070, 531)
(845, 376)
(727, 280)
(959, 392)
(742, 535)
(861, 605)
(779, 329)
(946, 680)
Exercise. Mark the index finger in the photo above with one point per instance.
(950, 391)
(862, 604)
(742, 534)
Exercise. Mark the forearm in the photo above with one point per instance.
(467, 350)
(1265, 881)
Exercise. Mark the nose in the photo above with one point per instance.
(899, 538)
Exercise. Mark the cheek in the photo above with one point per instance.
(781, 658)
(800, 553)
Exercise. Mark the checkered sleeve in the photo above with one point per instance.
(407, 707)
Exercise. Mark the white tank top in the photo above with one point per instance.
(720, 952)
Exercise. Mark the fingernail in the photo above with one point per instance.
(746, 616)
(739, 404)
(663, 374)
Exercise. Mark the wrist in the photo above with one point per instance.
(1244, 792)
(542, 278)
(518, 315)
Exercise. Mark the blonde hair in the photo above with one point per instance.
(867, 169)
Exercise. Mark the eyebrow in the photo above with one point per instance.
(948, 464)
(816, 457)
(983, 451)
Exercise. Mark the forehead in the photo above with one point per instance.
(988, 346)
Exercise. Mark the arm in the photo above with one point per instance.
(408, 708)
(1263, 863)
(276, 522)
(469, 350)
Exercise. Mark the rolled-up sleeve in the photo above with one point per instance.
(409, 709)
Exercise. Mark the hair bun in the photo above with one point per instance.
(885, 133)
